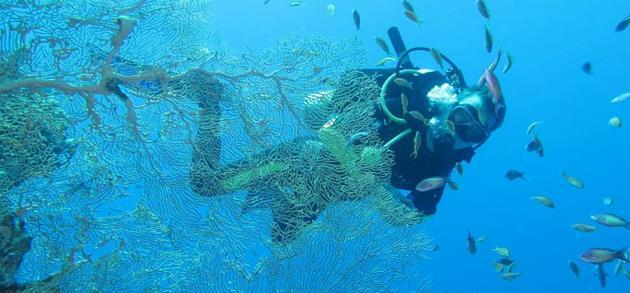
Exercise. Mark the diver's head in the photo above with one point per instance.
(475, 115)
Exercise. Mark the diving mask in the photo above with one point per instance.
(467, 126)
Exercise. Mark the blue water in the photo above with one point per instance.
(550, 40)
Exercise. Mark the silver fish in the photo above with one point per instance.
(618, 268)
(437, 57)
(417, 144)
(385, 60)
(623, 24)
(509, 63)
(403, 83)
(532, 127)
(407, 5)
(489, 42)
(575, 269)
(382, 44)
(357, 19)
(471, 244)
(492, 82)
(621, 98)
(404, 102)
(602, 255)
(357, 138)
(483, 9)
(611, 220)
(602, 275)
(431, 184)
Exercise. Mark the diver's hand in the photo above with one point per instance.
(398, 196)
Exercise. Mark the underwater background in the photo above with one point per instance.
(549, 40)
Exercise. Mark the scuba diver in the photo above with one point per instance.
(451, 119)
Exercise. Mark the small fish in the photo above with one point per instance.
(403, 83)
(532, 127)
(482, 239)
(483, 9)
(437, 57)
(499, 267)
(535, 146)
(431, 184)
(385, 60)
(382, 44)
(623, 24)
(357, 19)
(452, 185)
(506, 261)
(331, 9)
(618, 268)
(603, 255)
(602, 275)
(407, 5)
(510, 276)
(514, 174)
(502, 251)
(267, 1)
(489, 42)
(295, 3)
(357, 138)
(621, 98)
(417, 144)
(495, 63)
(492, 82)
(418, 116)
(577, 183)
(544, 201)
(327, 81)
(584, 228)
(503, 264)
(610, 220)
(587, 67)
(615, 122)
(411, 15)
(404, 102)
(509, 63)
(459, 168)
(608, 200)
(471, 245)
(575, 269)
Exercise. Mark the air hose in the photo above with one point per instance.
(402, 58)
(384, 88)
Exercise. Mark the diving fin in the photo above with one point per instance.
(290, 219)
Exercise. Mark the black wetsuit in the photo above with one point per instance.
(408, 172)
(207, 174)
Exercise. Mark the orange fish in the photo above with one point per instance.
(412, 16)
